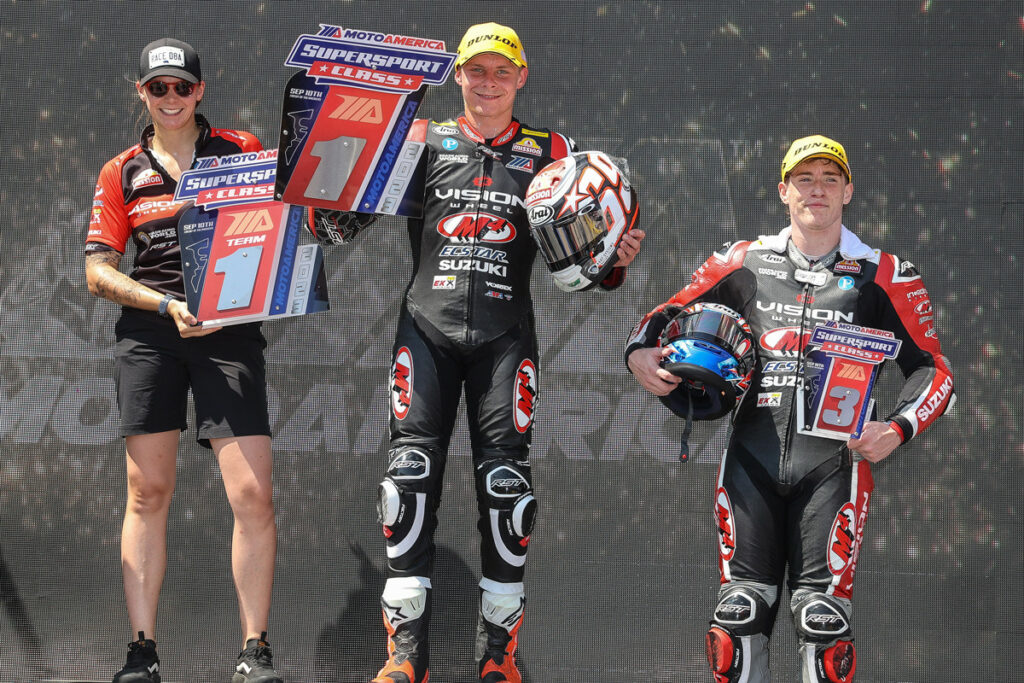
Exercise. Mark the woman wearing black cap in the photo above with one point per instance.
(161, 353)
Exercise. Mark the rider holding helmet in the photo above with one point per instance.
(786, 496)
(467, 324)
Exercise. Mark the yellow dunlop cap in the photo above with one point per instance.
(491, 37)
(815, 147)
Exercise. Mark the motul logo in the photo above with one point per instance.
(249, 222)
(525, 396)
(464, 227)
(358, 109)
(401, 383)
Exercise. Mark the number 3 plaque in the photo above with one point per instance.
(840, 369)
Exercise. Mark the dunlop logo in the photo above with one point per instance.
(358, 109)
(249, 222)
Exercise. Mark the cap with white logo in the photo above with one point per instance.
(169, 57)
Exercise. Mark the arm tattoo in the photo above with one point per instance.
(110, 283)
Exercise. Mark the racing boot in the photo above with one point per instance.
(497, 636)
(142, 665)
(406, 607)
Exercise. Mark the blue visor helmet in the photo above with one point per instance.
(712, 350)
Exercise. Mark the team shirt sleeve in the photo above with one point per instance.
(109, 225)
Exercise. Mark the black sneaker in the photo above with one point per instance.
(142, 665)
(255, 663)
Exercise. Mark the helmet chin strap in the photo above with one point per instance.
(684, 446)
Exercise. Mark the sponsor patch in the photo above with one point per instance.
(457, 158)
(485, 227)
(517, 163)
(841, 539)
(444, 281)
(777, 274)
(845, 266)
(726, 525)
(527, 146)
(146, 178)
(524, 398)
(401, 383)
(771, 400)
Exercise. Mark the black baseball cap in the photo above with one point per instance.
(169, 57)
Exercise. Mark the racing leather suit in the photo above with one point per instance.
(786, 497)
(466, 322)
(467, 317)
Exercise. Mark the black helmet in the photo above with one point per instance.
(580, 207)
(713, 352)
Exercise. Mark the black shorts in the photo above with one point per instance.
(154, 368)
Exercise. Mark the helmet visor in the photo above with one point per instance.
(561, 243)
(710, 325)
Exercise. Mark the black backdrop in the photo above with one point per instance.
(702, 98)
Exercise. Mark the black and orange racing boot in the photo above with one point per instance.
(498, 637)
(407, 620)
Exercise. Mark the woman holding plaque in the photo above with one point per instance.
(161, 353)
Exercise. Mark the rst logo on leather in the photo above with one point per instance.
(465, 227)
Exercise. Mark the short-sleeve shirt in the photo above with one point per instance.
(135, 200)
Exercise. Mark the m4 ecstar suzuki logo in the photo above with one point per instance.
(464, 227)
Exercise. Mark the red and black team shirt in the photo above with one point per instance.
(135, 200)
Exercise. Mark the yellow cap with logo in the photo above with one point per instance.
(815, 147)
(491, 37)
